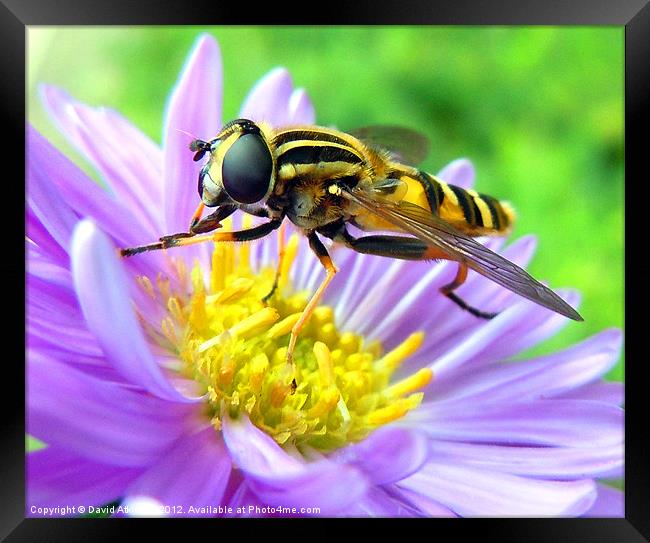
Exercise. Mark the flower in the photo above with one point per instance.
(159, 380)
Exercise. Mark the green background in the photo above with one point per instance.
(539, 111)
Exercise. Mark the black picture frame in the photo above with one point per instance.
(17, 15)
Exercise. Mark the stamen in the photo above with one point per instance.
(326, 402)
(163, 286)
(235, 347)
(395, 411)
(212, 342)
(169, 330)
(259, 365)
(284, 326)
(221, 261)
(181, 270)
(145, 283)
(418, 380)
(393, 359)
(325, 367)
(175, 309)
(349, 343)
(245, 328)
(281, 387)
(255, 323)
(237, 289)
(226, 372)
(217, 276)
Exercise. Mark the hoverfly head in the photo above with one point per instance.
(240, 169)
(246, 163)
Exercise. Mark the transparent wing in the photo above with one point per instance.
(437, 233)
(404, 144)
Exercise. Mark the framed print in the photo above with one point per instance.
(330, 271)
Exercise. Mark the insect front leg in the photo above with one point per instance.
(198, 226)
(249, 234)
(212, 221)
(408, 249)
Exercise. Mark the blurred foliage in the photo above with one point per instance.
(539, 110)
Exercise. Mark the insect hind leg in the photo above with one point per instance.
(406, 249)
(448, 290)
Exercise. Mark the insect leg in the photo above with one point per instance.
(212, 221)
(408, 249)
(321, 252)
(249, 234)
(197, 215)
(380, 245)
(281, 251)
(447, 290)
(209, 223)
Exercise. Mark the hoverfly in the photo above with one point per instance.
(323, 180)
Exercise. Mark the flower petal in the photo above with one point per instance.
(607, 392)
(539, 326)
(102, 288)
(482, 338)
(56, 301)
(47, 204)
(39, 236)
(58, 478)
(514, 329)
(83, 195)
(301, 110)
(378, 502)
(54, 315)
(193, 111)
(52, 269)
(543, 377)
(244, 503)
(609, 503)
(425, 505)
(387, 455)
(126, 159)
(97, 419)
(471, 492)
(570, 423)
(63, 190)
(538, 462)
(361, 315)
(278, 478)
(477, 291)
(459, 172)
(414, 285)
(193, 472)
(269, 99)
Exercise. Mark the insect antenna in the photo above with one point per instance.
(198, 146)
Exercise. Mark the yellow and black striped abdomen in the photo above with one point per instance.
(471, 212)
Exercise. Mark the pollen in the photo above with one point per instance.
(234, 344)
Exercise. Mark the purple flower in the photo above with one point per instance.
(160, 379)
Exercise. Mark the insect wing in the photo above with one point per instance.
(404, 144)
(432, 230)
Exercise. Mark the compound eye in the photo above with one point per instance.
(247, 169)
(202, 174)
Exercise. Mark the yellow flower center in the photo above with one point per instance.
(234, 345)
